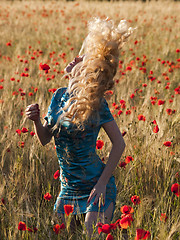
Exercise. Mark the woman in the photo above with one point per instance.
(74, 119)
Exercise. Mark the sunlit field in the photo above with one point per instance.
(144, 103)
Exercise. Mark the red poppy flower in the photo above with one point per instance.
(122, 164)
(125, 222)
(124, 133)
(56, 174)
(113, 225)
(163, 217)
(128, 68)
(35, 229)
(109, 92)
(123, 106)
(122, 101)
(154, 122)
(126, 209)
(153, 102)
(153, 98)
(105, 228)
(68, 209)
(167, 144)
(24, 130)
(30, 94)
(99, 224)
(156, 129)
(141, 117)
(109, 237)
(3, 201)
(143, 63)
(99, 144)
(175, 188)
(142, 234)
(29, 229)
(8, 44)
(21, 144)
(129, 159)
(160, 102)
(23, 93)
(119, 112)
(177, 90)
(22, 226)
(118, 223)
(47, 196)
(44, 67)
(62, 226)
(56, 228)
(132, 95)
(128, 112)
(116, 107)
(135, 200)
(169, 111)
(32, 133)
(18, 131)
(15, 93)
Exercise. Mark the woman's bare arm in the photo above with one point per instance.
(43, 133)
(118, 146)
(33, 113)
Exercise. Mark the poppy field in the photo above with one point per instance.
(38, 40)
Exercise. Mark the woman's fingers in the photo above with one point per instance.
(32, 111)
(100, 198)
(35, 112)
(32, 107)
(32, 115)
(75, 61)
(92, 194)
(96, 199)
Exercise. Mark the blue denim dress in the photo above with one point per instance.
(80, 166)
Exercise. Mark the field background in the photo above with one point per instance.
(52, 32)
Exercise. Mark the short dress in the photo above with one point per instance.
(80, 166)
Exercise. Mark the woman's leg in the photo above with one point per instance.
(92, 218)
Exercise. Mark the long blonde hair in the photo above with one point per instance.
(92, 77)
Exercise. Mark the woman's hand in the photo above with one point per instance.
(75, 61)
(99, 190)
(33, 112)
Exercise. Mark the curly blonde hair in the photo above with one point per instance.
(92, 77)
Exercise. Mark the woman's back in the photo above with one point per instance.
(80, 166)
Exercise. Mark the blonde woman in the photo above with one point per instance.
(74, 118)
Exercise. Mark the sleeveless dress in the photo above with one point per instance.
(80, 166)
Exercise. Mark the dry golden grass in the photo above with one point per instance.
(26, 173)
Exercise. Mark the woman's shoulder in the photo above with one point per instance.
(103, 103)
(59, 92)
